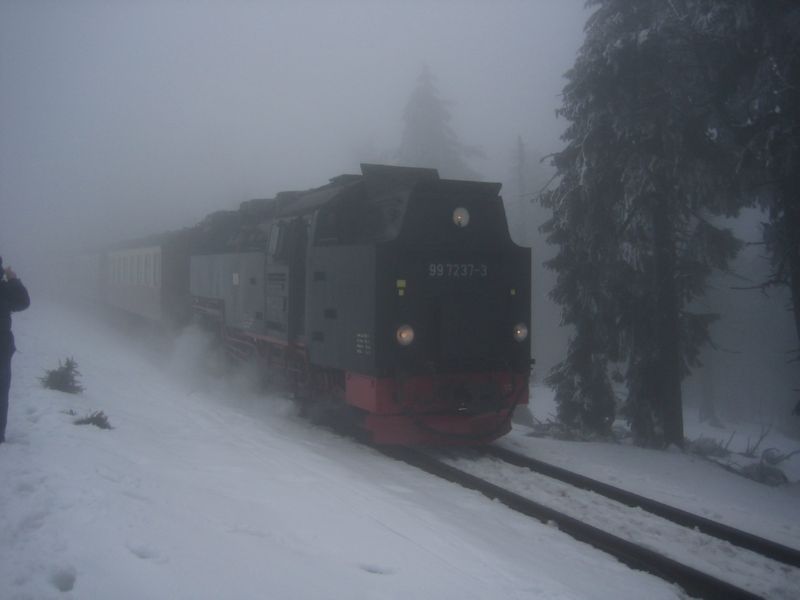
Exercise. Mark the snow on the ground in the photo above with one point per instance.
(205, 491)
(683, 480)
(687, 481)
(745, 569)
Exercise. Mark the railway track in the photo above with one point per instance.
(693, 581)
(743, 539)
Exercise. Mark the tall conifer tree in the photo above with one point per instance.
(428, 140)
(645, 169)
(765, 118)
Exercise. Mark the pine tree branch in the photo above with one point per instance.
(772, 282)
(538, 194)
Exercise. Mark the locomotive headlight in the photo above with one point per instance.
(461, 217)
(405, 335)
(520, 332)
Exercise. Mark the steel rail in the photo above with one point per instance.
(743, 539)
(694, 582)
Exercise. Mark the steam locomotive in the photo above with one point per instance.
(394, 292)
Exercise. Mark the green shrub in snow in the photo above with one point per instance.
(64, 378)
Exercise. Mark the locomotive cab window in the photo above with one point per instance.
(340, 223)
(277, 241)
(325, 230)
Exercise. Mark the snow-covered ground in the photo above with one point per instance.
(740, 567)
(204, 489)
(687, 481)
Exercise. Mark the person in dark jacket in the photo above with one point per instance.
(13, 297)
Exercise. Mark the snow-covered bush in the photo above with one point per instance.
(98, 418)
(64, 378)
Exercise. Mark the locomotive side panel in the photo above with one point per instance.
(236, 280)
(341, 307)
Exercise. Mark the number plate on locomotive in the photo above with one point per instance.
(457, 270)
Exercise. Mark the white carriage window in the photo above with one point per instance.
(147, 272)
(157, 269)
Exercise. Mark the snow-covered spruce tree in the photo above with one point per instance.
(587, 261)
(428, 140)
(765, 117)
(644, 170)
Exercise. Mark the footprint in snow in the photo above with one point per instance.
(63, 578)
(32, 521)
(29, 486)
(146, 552)
(376, 569)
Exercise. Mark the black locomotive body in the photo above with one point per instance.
(394, 292)
(418, 302)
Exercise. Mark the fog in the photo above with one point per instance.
(121, 118)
